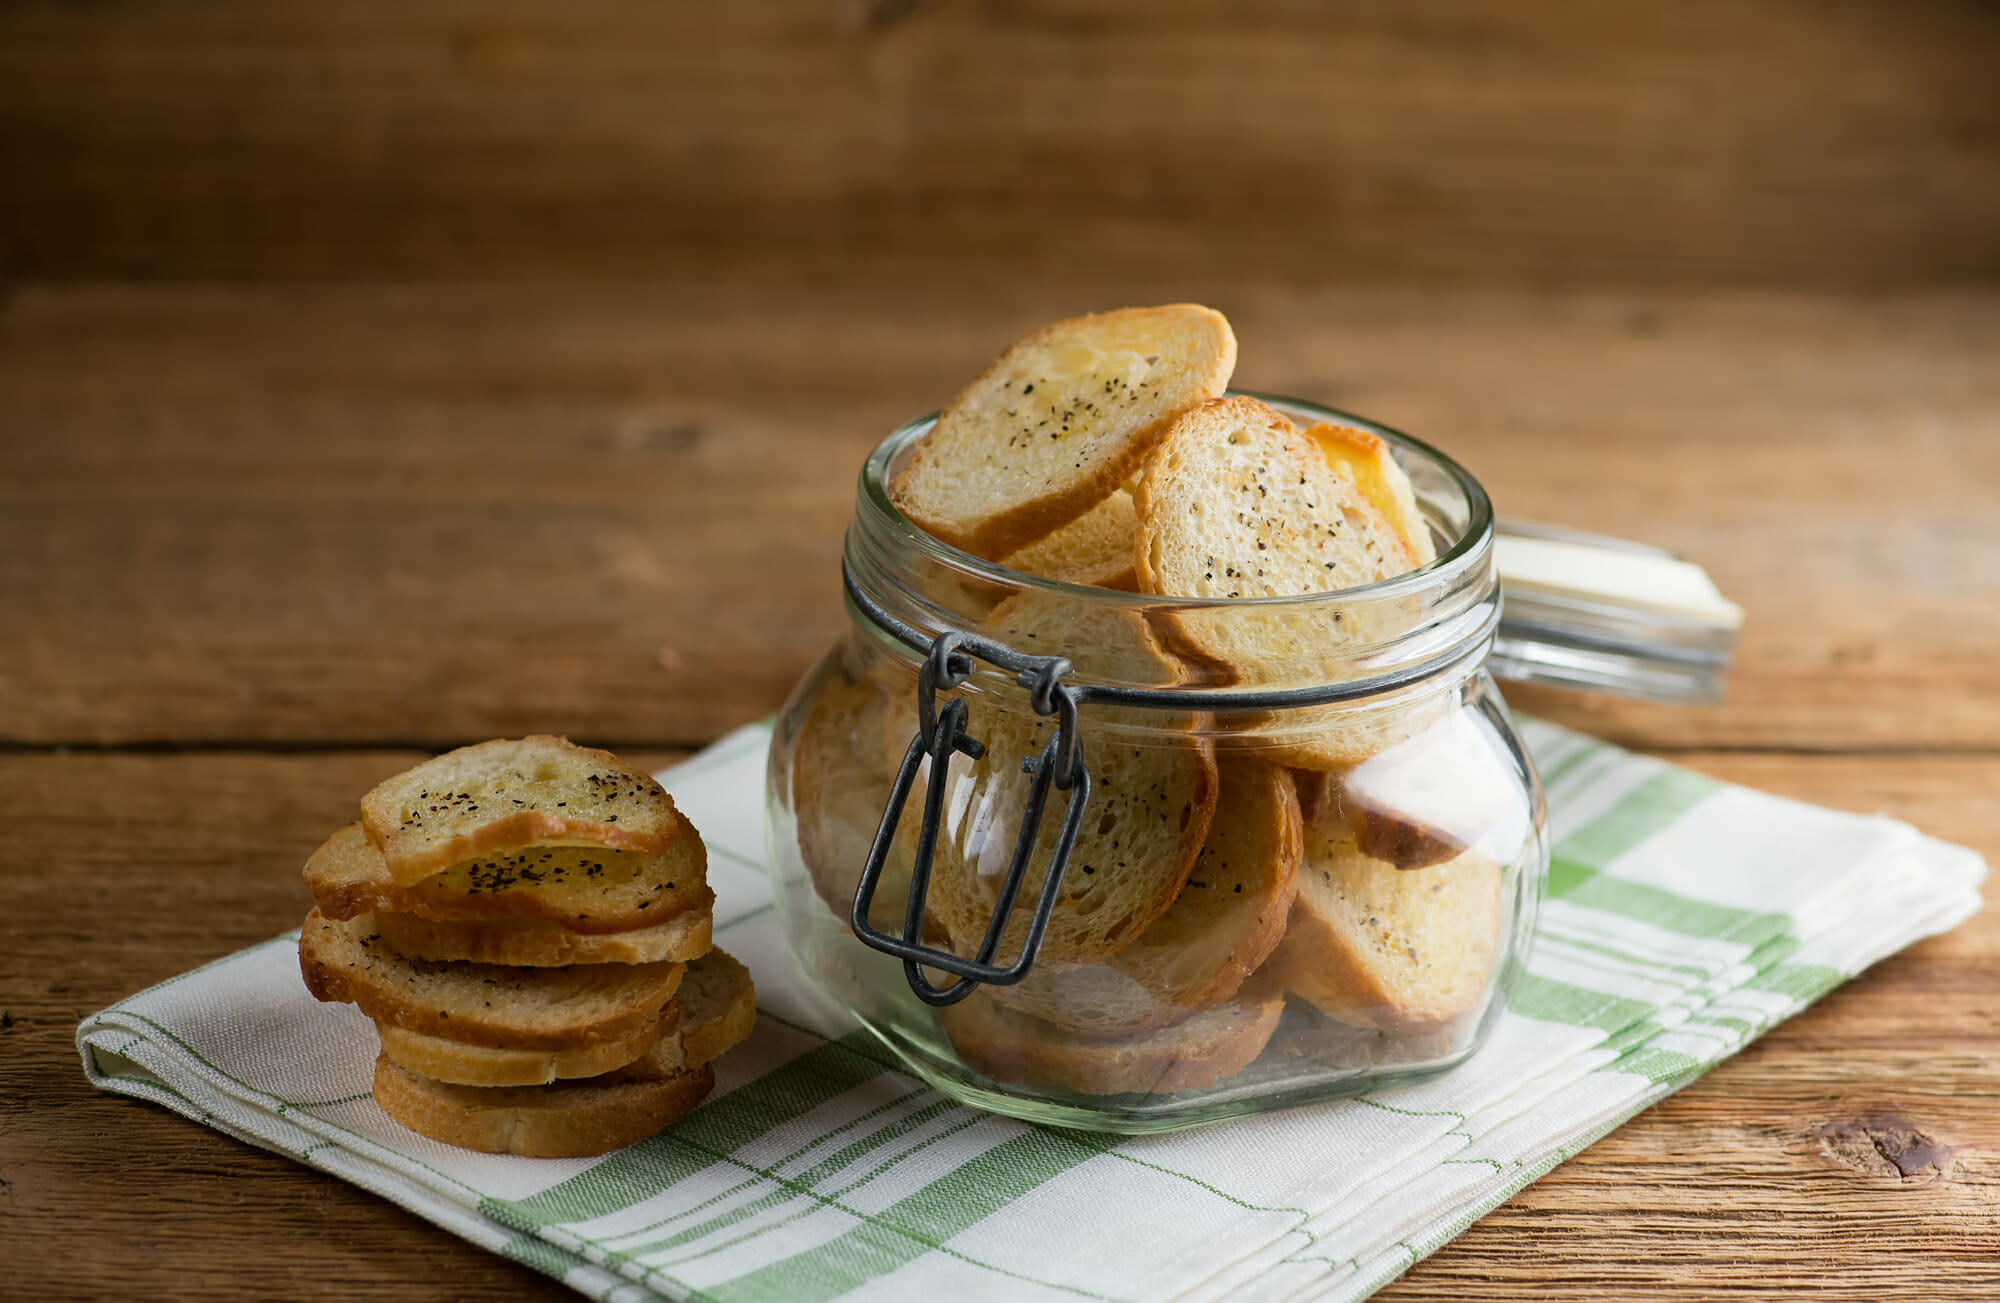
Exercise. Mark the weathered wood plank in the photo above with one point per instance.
(1768, 1176)
(375, 516)
(1443, 141)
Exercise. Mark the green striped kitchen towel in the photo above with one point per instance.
(1684, 917)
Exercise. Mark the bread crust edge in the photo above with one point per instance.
(1030, 521)
(583, 1121)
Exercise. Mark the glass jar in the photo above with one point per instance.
(1238, 888)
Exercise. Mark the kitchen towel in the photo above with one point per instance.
(1684, 917)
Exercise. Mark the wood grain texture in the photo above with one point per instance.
(298, 517)
(1771, 1176)
(946, 142)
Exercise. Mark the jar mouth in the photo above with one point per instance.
(1465, 553)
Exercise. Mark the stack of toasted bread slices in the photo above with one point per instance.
(1347, 855)
(528, 925)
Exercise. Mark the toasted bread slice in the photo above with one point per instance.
(1094, 550)
(1059, 421)
(1226, 921)
(718, 1011)
(1216, 1043)
(1403, 950)
(584, 889)
(483, 1004)
(1152, 795)
(1236, 501)
(535, 943)
(842, 770)
(444, 1059)
(716, 1007)
(504, 795)
(566, 1120)
(1367, 460)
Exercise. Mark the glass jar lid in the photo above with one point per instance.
(1607, 615)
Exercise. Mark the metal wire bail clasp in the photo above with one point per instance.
(941, 734)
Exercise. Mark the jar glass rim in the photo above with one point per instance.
(1466, 552)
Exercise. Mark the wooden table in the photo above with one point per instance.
(263, 546)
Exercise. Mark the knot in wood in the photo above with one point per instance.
(1886, 1142)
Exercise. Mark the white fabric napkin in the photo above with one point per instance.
(1684, 917)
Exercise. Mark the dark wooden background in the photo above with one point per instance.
(377, 377)
(1828, 143)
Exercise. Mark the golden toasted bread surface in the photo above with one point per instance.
(1094, 550)
(1152, 795)
(584, 889)
(718, 1012)
(1059, 421)
(445, 1059)
(536, 943)
(1404, 950)
(483, 1004)
(507, 794)
(1228, 918)
(714, 1009)
(1200, 1051)
(563, 1120)
(1238, 502)
(1366, 459)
